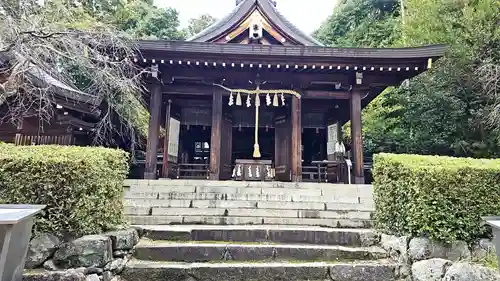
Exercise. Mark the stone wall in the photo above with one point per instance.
(88, 258)
(424, 260)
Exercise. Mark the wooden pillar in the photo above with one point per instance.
(357, 137)
(166, 139)
(215, 140)
(296, 139)
(153, 131)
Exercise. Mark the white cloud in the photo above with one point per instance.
(304, 14)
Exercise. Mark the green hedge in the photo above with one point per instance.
(442, 198)
(81, 186)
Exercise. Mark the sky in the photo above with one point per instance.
(301, 13)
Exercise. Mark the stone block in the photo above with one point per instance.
(177, 196)
(276, 197)
(340, 223)
(180, 252)
(465, 271)
(224, 204)
(153, 220)
(315, 214)
(291, 205)
(229, 190)
(327, 253)
(221, 220)
(249, 252)
(430, 270)
(188, 212)
(68, 275)
(164, 203)
(230, 235)
(264, 213)
(136, 210)
(170, 189)
(341, 191)
(149, 271)
(168, 234)
(363, 272)
(307, 198)
(289, 191)
(40, 249)
(140, 195)
(130, 182)
(313, 235)
(123, 239)
(261, 272)
(87, 251)
(424, 248)
(334, 206)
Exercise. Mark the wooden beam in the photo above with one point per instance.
(296, 140)
(313, 94)
(357, 137)
(166, 140)
(153, 131)
(237, 74)
(215, 140)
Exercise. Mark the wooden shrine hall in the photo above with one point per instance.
(253, 98)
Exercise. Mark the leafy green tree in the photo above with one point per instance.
(141, 19)
(452, 109)
(196, 25)
(361, 23)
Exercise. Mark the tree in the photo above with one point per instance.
(95, 60)
(452, 109)
(361, 23)
(196, 25)
(142, 20)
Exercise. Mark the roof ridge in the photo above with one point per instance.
(241, 10)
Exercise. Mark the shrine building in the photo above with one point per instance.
(253, 98)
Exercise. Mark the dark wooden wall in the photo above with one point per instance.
(32, 132)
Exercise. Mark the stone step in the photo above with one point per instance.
(382, 270)
(242, 204)
(204, 252)
(134, 184)
(263, 233)
(262, 212)
(234, 220)
(289, 196)
(233, 187)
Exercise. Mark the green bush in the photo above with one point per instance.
(81, 186)
(442, 198)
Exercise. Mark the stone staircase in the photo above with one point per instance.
(163, 202)
(258, 253)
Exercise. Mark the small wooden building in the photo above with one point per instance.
(70, 115)
(253, 97)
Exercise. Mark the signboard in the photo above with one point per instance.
(173, 140)
(333, 133)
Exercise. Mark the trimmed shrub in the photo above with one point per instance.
(81, 186)
(442, 198)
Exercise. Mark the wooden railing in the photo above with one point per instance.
(40, 140)
(192, 171)
(310, 174)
